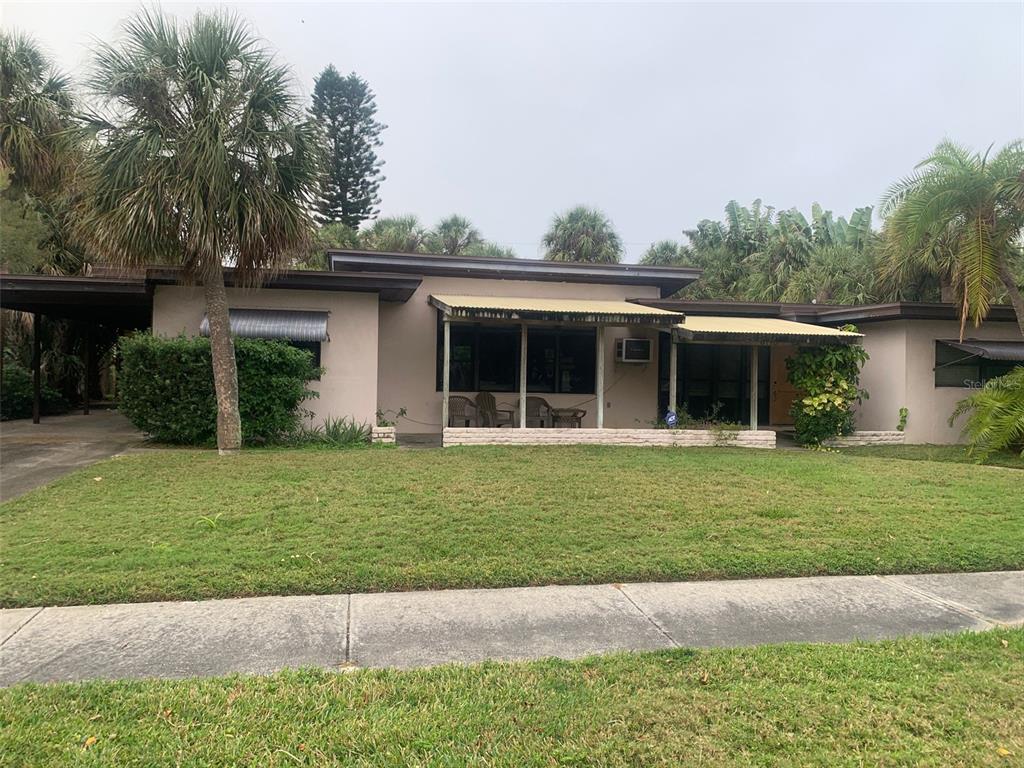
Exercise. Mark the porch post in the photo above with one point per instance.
(599, 384)
(88, 366)
(446, 374)
(673, 357)
(36, 364)
(522, 375)
(753, 386)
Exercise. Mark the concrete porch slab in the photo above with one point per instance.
(413, 629)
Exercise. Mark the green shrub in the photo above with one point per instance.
(16, 395)
(333, 433)
(995, 420)
(828, 377)
(166, 388)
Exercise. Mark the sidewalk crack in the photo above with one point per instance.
(348, 631)
(949, 604)
(655, 624)
(23, 625)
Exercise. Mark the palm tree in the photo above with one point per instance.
(35, 109)
(583, 234)
(662, 254)
(402, 234)
(488, 250)
(202, 159)
(971, 205)
(454, 236)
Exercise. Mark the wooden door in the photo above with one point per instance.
(782, 392)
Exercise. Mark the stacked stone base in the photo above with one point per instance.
(892, 437)
(670, 438)
(383, 435)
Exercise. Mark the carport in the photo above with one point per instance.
(121, 303)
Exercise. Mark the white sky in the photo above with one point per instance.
(657, 114)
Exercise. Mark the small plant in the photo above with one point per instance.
(995, 416)
(390, 418)
(343, 432)
(901, 425)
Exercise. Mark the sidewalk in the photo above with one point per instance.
(409, 629)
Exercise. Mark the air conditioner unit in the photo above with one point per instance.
(633, 350)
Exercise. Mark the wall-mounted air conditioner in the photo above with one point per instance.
(633, 350)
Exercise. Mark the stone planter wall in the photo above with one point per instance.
(891, 437)
(383, 435)
(677, 438)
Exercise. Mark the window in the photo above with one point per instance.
(486, 358)
(313, 347)
(956, 368)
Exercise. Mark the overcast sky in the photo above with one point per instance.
(656, 114)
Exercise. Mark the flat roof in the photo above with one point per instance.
(118, 302)
(552, 310)
(667, 279)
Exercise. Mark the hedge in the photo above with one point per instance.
(16, 395)
(166, 388)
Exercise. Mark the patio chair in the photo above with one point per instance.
(488, 413)
(538, 412)
(461, 412)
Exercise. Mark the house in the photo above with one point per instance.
(607, 351)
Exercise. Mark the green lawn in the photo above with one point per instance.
(954, 453)
(953, 700)
(176, 524)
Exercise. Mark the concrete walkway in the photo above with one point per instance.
(411, 629)
(32, 455)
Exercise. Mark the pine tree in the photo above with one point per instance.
(345, 109)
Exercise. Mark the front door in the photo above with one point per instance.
(783, 393)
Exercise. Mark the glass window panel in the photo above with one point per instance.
(498, 352)
(577, 353)
(541, 357)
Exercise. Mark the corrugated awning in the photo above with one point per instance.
(720, 328)
(553, 310)
(287, 324)
(1008, 351)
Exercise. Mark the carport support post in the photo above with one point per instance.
(599, 384)
(36, 364)
(446, 375)
(523, 337)
(87, 354)
(673, 356)
(753, 386)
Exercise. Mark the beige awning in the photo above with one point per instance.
(755, 329)
(608, 311)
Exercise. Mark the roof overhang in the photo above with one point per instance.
(667, 279)
(122, 303)
(567, 311)
(758, 330)
(397, 288)
(908, 310)
(1004, 351)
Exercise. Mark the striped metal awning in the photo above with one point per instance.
(610, 311)
(721, 328)
(286, 324)
(1004, 351)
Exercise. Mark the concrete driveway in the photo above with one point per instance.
(32, 455)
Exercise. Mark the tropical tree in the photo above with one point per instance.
(968, 209)
(402, 234)
(454, 236)
(662, 254)
(203, 158)
(488, 250)
(995, 416)
(35, 110)
(583, 234)
(345, 108)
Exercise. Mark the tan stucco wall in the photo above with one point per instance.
(901, 373)
(408, 348)
(348, 387)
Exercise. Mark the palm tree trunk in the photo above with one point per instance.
(225, 372)
(1014, 292)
